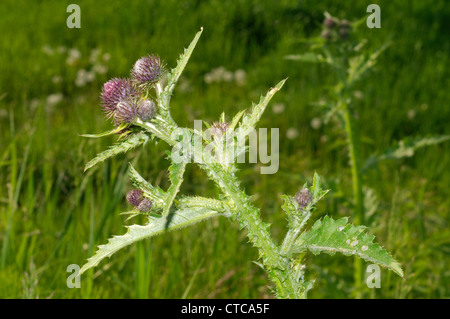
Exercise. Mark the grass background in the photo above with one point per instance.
(52, 214)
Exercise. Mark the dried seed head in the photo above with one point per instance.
(146, 109)
(135, 197)
(329, 23)
(125, 112)
(114, 91)
(219, 128)
(147, 70)
(145, 205)
(303, 198)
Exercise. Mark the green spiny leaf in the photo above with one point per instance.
(175, 73)
(121, 147)
(113, 131)
(331, 236)
(405, 148)
(155, 226)
(198, 201)
(250, 120)
(176, 171)
(154, 193)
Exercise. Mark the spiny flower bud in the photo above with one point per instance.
(147, 70)
(329, 23)
(345, 23)
(146, 109)
(326, 34)
(125, 112)
(303, 198)
(145, 205)
(135, 197)
(114, 91)
(219, 128)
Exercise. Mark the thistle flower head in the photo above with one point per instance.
(146, 109)
(125, 112)
(303, 198)
(219, 128)
(326, 34)
(114, 91)
(147, 70)
(329, 23)
(135, 197)
(145, 205)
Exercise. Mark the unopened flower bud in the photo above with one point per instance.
(125, 112)
(303, 198)
(345, 24)
(326, 34)
(145, 205)
(135, 197)
(147, 70)
(146, 109)
(219, 128)
(344, 32)
(329, 23)
(114, 91)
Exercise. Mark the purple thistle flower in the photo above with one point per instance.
(329, 23)
(114, 91)
(135, 197)
(147, 70)
(125, 112)
(146, 109)
(303, 198)
(218, 128)
(145, 205)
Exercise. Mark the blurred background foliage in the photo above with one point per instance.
(52, 214)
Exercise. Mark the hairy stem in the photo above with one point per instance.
(258, 233)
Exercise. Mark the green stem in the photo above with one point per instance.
(258, 233)
(354, 145)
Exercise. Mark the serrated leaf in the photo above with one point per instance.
(290, 207)
(405, 148)
(250, 120)
(198, 201)
(154, 193)
(331, 236)
(316, 190)
(176, 171)
(121, 147)
(175, 73)
(156, 226)
(113, 131)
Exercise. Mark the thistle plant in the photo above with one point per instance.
(339, 48)
(140, 108)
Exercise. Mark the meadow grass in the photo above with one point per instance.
(52, 214)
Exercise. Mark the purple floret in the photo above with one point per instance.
(147, 70)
